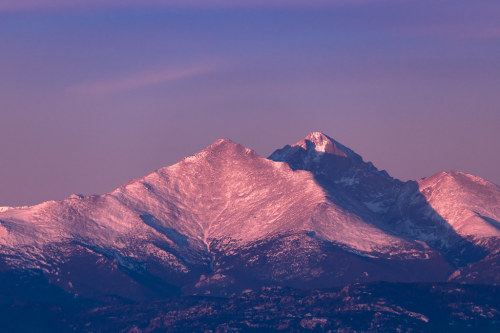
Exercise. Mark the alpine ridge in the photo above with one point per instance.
(312, 215)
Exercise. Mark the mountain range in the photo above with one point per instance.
(313, 215)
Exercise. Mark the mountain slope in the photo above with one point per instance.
(225, 219)
(447, 217)
(471, 206)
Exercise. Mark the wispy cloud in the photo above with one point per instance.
(140, 79)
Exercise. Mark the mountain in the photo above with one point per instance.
(471, 206)
(312, 215)
(452, 212)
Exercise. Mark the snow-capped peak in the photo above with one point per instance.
(220, 146)
(222, 141)
(322, 143)
(454, 177)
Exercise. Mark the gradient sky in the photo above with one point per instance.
(95, 92)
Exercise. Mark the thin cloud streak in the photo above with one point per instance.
(139, 80)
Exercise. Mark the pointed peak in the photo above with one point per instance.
(222, 146)
(222, 141)
(454, 177)
(321, 142)
(317, 136)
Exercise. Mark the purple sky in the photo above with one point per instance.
(94, 93)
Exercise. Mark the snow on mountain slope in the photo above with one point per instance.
(337, 168)
(471, 205)
(246, 197)
(446, 217)
(225, 190)
(451, 211)
(313, 214)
